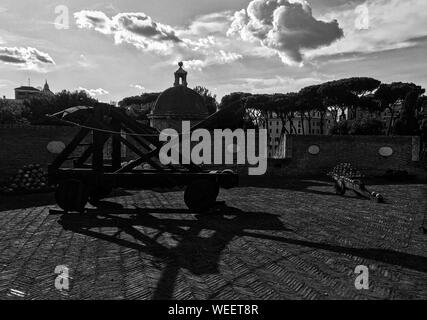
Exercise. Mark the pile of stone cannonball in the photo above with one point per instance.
(29, 178)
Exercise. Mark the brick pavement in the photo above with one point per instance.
(293, 241)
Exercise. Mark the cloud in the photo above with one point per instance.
(323, 6)
(26, 58)
(216, 58)
(137, 86)
(136, 29)
(285, 26)
(94, 92)
(96, 20)
(142, 25)
(390, 25)
(200, 44)
(213, 24)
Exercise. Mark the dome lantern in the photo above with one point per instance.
(180, 76)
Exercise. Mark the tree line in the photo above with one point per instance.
(35, 109)
(333, 98)
(337, 98)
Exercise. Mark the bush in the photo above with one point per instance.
(138, 107)
(138, 112)
(41, 105)
(13, 112)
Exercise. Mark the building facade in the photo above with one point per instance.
(299, 126)
(27, 92)
(387, 117)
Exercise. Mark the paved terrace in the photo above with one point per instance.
(293, 240)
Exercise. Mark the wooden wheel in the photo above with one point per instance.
(200, 195)
(339, 187)
(72, 195)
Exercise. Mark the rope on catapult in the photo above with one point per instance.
(107, 131)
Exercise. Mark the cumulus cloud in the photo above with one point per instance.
(26, 57)
(200, 44)
(285, 26)
(136, 29)
(94, 92)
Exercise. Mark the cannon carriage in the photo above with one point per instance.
(346, 177)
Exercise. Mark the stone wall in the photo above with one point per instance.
(315, 155)
(23, 145)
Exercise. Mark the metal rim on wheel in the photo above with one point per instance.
(339, 187)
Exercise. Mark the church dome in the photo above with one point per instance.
(180, 102)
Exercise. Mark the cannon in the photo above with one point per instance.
(92, 177)
(346, 177)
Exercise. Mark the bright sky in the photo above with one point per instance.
(116, 48)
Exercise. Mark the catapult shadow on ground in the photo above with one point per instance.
(288, 240)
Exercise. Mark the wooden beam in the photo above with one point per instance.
(134, 163)
(62, 157)
(140, 153)
(98, 142)
(116, 153)
(87, 153)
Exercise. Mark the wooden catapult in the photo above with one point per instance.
(92, 176)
